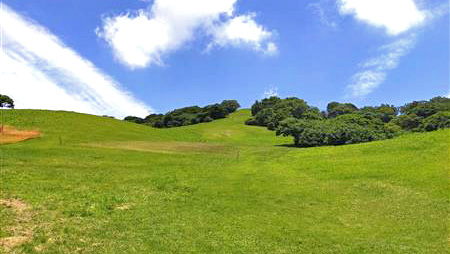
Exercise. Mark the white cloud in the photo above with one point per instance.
(40, 71)
(142, 38)
(374, 71)
(243, 30)
(271, 92)
(396, 16)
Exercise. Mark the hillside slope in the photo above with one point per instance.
(97, 185)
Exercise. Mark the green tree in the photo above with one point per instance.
(6, 101)
(134, 119)
(230, 105)
(437, 121)
(335, 109)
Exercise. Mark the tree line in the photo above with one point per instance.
(188, 115)
(344, 123)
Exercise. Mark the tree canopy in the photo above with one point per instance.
(6, 101)
(344, 123)
(188, 115)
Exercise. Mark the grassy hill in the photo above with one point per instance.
(97, 185)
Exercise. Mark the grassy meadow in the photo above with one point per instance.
(98, 185)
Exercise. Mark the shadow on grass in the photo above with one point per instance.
(290, 146)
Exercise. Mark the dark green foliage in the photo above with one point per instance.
(265, 103)
(409, 122)
(424, 115)
(230, 105)
(439, 120)
(6, 101)
(134, 119)
(348, 130)
(188, 115)
(336, 109)
(271, 111)
(215, 111)
(385, 112)
(344, 123)
(426, 108)
(154, 119)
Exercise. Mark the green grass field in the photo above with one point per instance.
(98, 185)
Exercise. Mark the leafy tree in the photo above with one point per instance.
(437, 121)
(6, 101)
(188, 115)
(230, 105)
(152, 119)
(309, 133)
(216, 111)
(385, 112)
(134, 119)
(335, 109)
(426, 108)
(408, 122)
(271, 111)
(265, 103)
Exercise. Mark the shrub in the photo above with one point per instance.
(134, 119)
(307, 133)
(439, 120)
(409, 122)
(335, 109)
(230, 105)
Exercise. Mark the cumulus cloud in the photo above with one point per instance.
(243, 30)
(396, 16)
(40, 71)
(373, 71)
(142, 38)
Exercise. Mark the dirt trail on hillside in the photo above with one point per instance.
(9, 135)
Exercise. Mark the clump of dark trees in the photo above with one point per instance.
(6, 101)
(344, 123)
(188, 115)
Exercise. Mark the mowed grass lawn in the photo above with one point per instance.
(98, 185)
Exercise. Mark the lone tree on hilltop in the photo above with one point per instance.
(6, 101)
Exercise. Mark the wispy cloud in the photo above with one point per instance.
(144, 37)
(40, 71)
(273, 91)
(398, 19)
(325, 10)
(373, 71)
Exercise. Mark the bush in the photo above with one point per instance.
(335, 109)
(309, 133)
(188, 115)
(230, 105)
(134, 119)
(409, 122)
(437, 121)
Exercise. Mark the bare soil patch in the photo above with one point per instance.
(166, 147)
(20, 229)
(9, 135)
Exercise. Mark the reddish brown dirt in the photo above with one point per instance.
(9, 135)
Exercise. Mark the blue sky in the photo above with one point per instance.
(131, 57)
